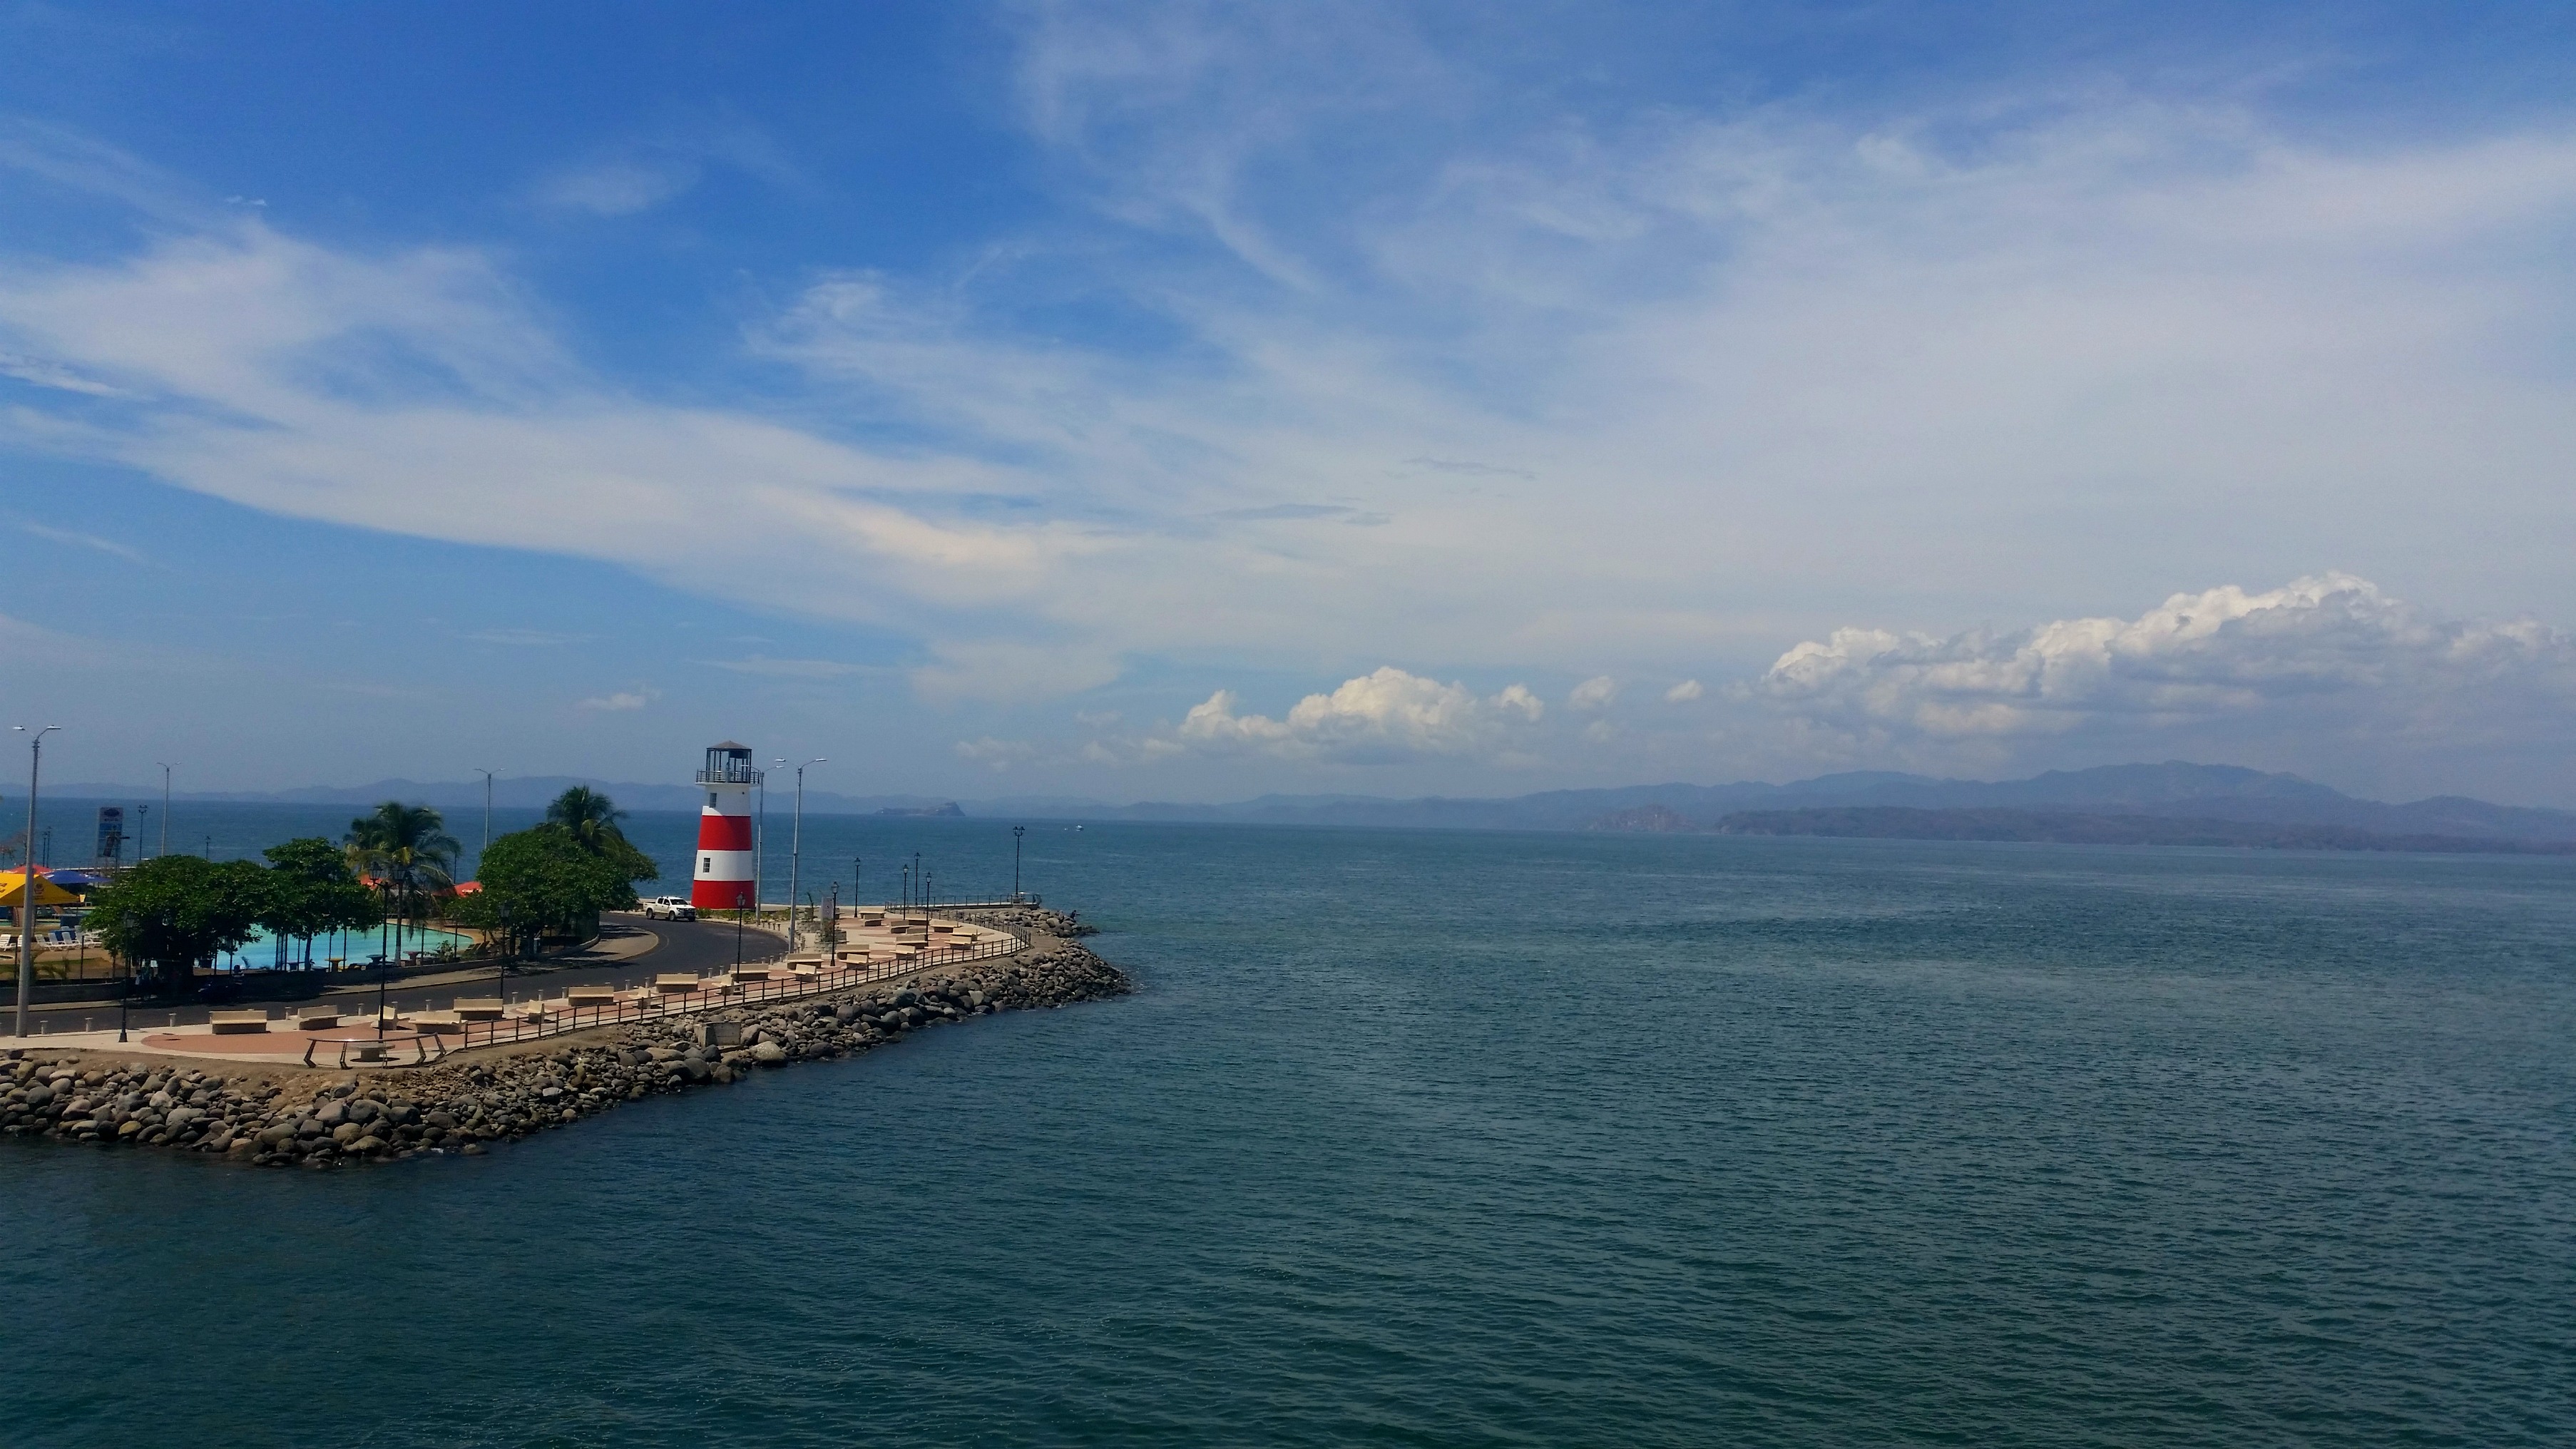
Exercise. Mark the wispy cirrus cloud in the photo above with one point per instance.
(1646, 389)
(51, 534)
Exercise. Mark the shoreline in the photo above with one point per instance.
(268, 1115)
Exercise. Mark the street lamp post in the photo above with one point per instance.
(487, 820)
(796, 851)
(27, 897)
(165, 807)
(1016, 832)
(124, 997)
(501, 969)
(741, 904)
(146, 812)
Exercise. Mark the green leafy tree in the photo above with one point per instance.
(407, 849)
(174, 912)
(314, 892)
(548, 880)
(588, 814)
(592, 819)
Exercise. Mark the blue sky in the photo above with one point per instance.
(1183, 401)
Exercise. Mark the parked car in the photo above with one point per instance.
(670, 908)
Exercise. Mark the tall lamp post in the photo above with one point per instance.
(796, 850)
(1016, 832)
(146, 812)
(741, 905)
(165, 807)
(487, 820)
(27, 897)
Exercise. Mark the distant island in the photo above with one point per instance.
(2075, 828)
(925, 811)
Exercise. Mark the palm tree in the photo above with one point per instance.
(590, 816)
(406, 847)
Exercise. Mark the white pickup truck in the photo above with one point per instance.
(670, 908)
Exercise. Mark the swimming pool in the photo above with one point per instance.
(264, 951)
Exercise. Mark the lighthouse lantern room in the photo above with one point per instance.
(723, 880)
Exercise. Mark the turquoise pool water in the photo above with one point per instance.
(262, 950)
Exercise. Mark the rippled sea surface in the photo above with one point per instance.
(1439, 1138)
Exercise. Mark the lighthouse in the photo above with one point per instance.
(724, 876)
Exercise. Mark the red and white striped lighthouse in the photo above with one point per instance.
(724, 875)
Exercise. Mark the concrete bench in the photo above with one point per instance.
(316, 1018)
(228, 1023)
(480, 1008)
(436, 1023)
(675, 985)
(751, 971)
(590, 995)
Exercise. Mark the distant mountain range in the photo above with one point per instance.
(2076, 827)
(2172, 790)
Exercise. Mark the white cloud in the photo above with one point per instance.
(622, 700)
(1594, 693)
(788, 668)
(2331, 650)
(526, 638)
(1684, 692)
(618, 188)
(1914, 366)
(1378, 717)
(996, 754)
(42, 373)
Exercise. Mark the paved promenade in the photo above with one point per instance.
(627, 961)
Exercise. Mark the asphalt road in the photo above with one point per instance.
(692, 946)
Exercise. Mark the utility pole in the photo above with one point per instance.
(796, 851)
(27, 897)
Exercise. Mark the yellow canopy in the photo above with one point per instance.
(13, 890)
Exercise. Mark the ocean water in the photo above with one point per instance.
(1461, 1139)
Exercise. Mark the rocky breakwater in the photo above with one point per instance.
(458, 1106)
